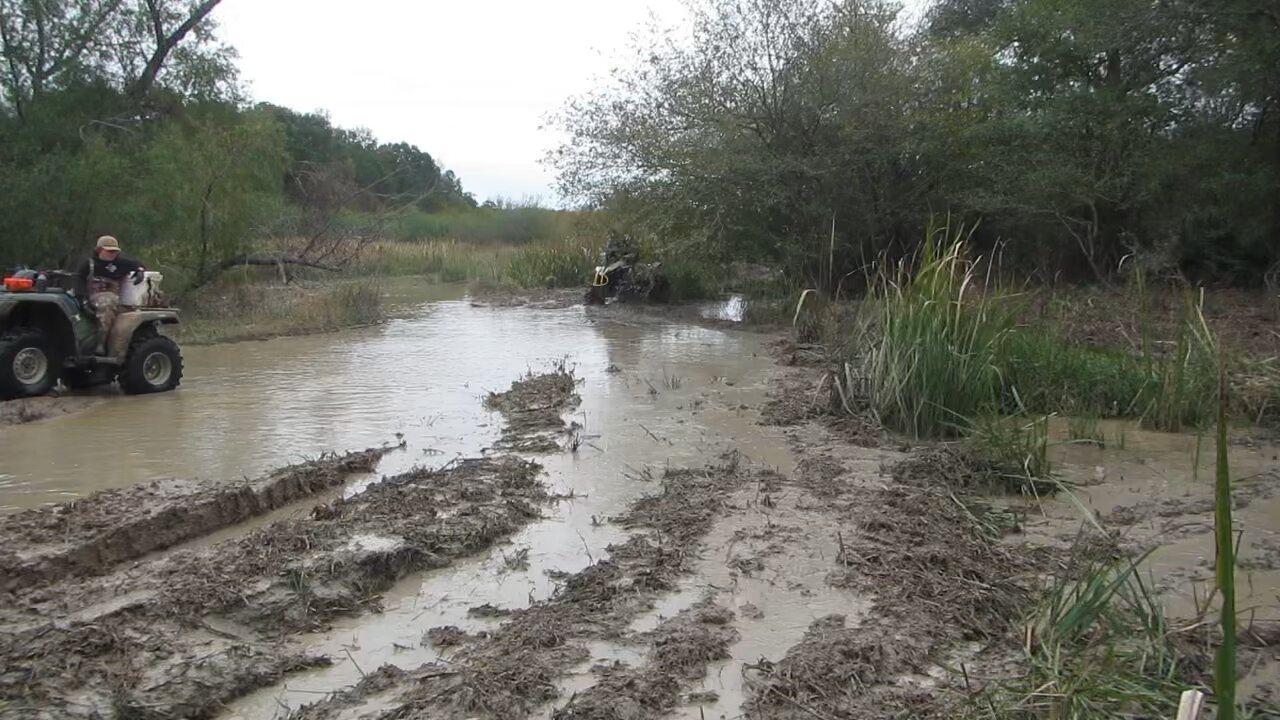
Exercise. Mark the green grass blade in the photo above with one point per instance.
(1225, 670)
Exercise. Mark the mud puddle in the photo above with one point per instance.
(247, 408)
(635, 421)
(1154, 491)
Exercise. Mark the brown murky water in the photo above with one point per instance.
(653, 393)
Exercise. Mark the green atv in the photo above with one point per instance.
(46, 336)
(621, 276)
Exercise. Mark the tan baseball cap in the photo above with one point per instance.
(106, 242)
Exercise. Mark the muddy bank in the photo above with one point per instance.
(91, 535)
(29, 410)
(964, 578)
(236, 598)
(182, 633)
(515, 670)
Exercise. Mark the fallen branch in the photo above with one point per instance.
(272, 261)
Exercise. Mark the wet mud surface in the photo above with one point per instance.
(90, 536)
(515, 669)
(180, 634)
(29, 410)
(701, 536)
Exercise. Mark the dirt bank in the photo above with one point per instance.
(958, 574)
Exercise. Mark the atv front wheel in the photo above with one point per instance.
(28, 365)
(596, 295)
(154, 364)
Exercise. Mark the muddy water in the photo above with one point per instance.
(653, 393)
(1156, 490)
(247, 407)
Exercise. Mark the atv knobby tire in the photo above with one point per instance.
(154, 364)
(29, 366)
(596, 295)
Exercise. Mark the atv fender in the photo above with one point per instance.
(128, 322)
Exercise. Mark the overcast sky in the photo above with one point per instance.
(469, 81)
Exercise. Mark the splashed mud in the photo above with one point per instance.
(29, 410)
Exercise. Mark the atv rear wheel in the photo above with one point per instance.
(154, 364)
(28, 364)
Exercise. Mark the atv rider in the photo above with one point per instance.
(97, 283)
(620, 247)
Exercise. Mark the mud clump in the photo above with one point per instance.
(917, 548)
(964, 469)
(448, 636)
(296, 575)
(91, 535)
(837, 671)
(131, 666)
(533, 410)
(682, 648)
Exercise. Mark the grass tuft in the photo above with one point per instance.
(935, 343)
(1098, 647)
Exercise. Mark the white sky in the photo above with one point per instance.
(468, 81)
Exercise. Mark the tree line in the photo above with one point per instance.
(127, 117)
(1087, 136)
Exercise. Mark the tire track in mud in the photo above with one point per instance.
(514, 671)
(184, 633)
(90, 536)
(919, 543)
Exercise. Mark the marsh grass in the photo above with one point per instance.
(445, 260)
(553, 264)
(252, 311)
(934, 343)
(939, 347)
(1098, 646)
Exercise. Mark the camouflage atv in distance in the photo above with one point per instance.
(622, 276)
